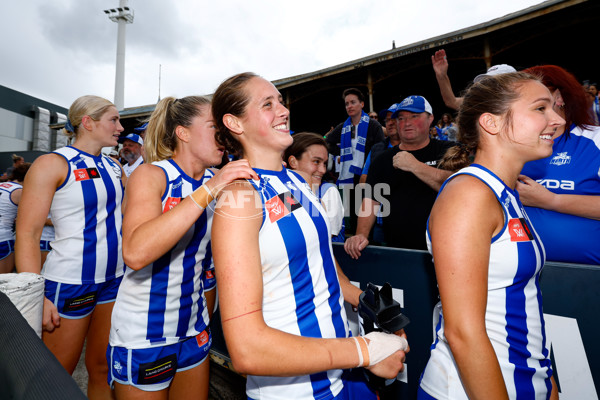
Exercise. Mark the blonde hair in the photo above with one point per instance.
(92, 106)
(161, 140)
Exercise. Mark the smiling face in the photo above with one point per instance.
(264, 124)
(312, 162)
(107, 128)
(534, 122)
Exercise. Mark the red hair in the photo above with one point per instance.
(572, 92)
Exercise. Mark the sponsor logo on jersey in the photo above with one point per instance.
(170, 203)
(202, 338)
(81, 302)
(556, 184)
(176, 185)
(281, 205)
(209, 274)
(561, 159)
(83, 174)
(157, 371)
(519, 231)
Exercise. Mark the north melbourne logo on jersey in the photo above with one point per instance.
(519, 231)
(281, 205)
(84, 174)
(561, 159)
(118, 367)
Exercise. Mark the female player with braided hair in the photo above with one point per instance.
(490, 340)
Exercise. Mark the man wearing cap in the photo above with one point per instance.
(131, 152)
(352, 140)
(440, 67)
(391, 139)
(141, 130)
(408, 172)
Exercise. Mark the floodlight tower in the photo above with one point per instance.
(122, 15)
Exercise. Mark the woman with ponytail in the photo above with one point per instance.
(159, 338)
(489, 331)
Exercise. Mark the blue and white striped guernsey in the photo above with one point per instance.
(514, 318)
(301, 291)
(164, 302)
(86, 212)
(8, 210)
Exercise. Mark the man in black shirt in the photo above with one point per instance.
(405, 180)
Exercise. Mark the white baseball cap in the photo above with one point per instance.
(495, 70)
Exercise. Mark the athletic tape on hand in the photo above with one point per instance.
(382, 345)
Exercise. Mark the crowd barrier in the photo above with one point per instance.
(571, 304)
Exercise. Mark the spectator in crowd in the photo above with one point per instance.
(82, 189)
(10, 195)
(409, 175)
(141, 130)
(596, 106)
(433, 132)
(490, 340)
(592, 92)
(352, 140)
(440, 67)
(392, 139)
(308, 155)
(131, 152)
(562, 192)
(162, 312)
(281, 286)
(373, 115)
(445, 128)
(17, 160)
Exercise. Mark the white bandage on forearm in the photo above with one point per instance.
(382, 345)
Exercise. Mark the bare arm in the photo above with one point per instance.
(440, 67)
(432, 176)
(469, 210)
(355, 244)
(239, 279)
(45, 175)
(533, 194)
(143, 214)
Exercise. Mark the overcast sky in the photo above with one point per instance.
(58, 50)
